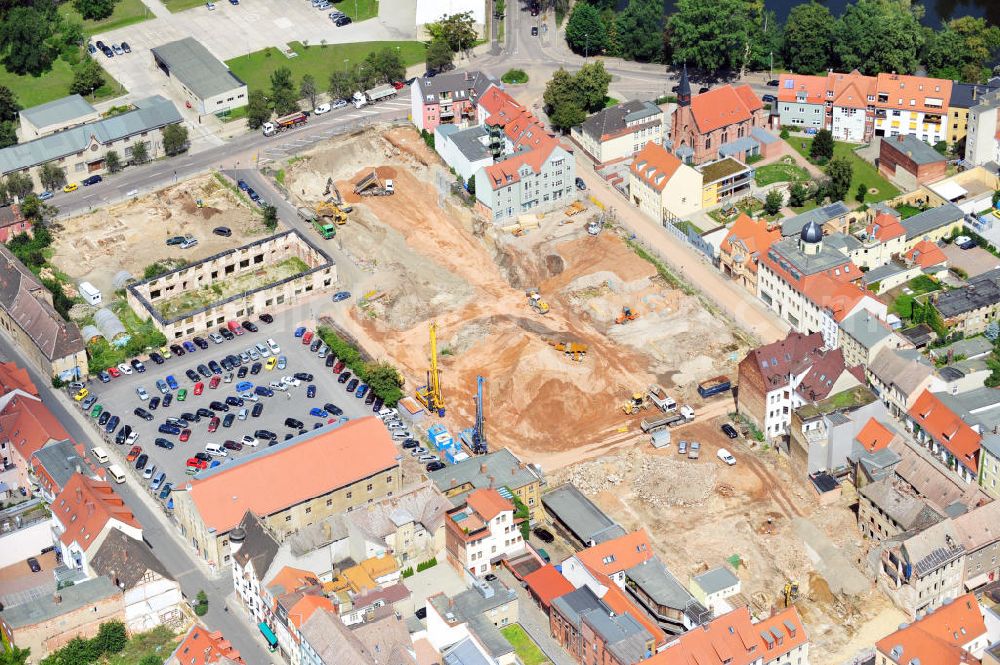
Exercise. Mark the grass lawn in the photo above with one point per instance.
(778, 172)
(126, 12)
(610, 101)
(180, 5)
(53, 84)
(514, 76)
(863, 172)
(358, 10)
(256, 68)
(159, 641)
(524, 646)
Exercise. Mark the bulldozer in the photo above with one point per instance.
(536, 302)
(331, 210)
(627, 314)
(791, 593)
(635, 404)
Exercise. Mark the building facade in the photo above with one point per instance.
(662, 186)
(482, 532)
(446, 99)
(618, 132)
(203, 80)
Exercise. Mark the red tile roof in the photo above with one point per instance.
(938, 637)
(302, 610)
(796, 355)
(947, 429)
(655, 165)
(814, 88)
(13, 377)
(28, 424)
(754, 235)
(616, 555)
(272, 480)
(851, 90)
(725, 105)
(874, 436)
(84, 508)
(836, 295)
(547, 584)
(885, 227)
(926, 254)
(488, 503)
(912, 93)
(201, 647)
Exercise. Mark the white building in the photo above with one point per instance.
(662, 186)
(482, 532)
(84, 513)
(620, 131)
(914, 105)
(152, 595)
(202, 79)
(253, 548)
(981, 144)
(465, 150)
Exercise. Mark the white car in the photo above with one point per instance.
(262, 348)
(210, 6)
(249, 396)
(275, 349)
(321, 109)
(338, 103)
(726, 457)
(132, 438)
(291, 381)
(278, 385)
(141, 392)
(125, 368)
(216, 337)
(252, 352)
(242, 415)
(248, 440)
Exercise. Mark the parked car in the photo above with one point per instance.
(726, 457)
(543, 534)
(729, 431)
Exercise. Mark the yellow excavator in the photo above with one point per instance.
(791, 593)
(635, 404)
(331, 210)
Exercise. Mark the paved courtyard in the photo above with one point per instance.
(973, 261)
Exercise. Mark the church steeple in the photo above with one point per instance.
(684, 88)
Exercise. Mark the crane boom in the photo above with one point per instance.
(479, 434)
(430, 394)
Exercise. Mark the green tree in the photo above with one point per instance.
(270, 217)
(87, 77)
(459, 30)
(860, 194)
(307, 89)
(639, 31)
(808, 40)
(840, 172)
(283, 97)
(112, 161)
(52, 176)
(175, 139)
(385, 381)
(471, 185)
(71, 33)
(19, 184)
(140, 153)
(964, 45)
(387, 65)
(773, 202)
(8, 134)
(23, 35)
(439, 55)
(499, 8)
(38, 211)
(712, 34)
(585, 31)
(151, 659)
(879, 36)
(819, 194)
(797, 195)
(94, 10)
(9, 106)
(111, 637)
(15, 656)
(592, 82)
(258, 112)
(822, 145)
(562, 101)
(342, 84)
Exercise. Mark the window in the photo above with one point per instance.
(370, 486)
(288, 518)
(309, 510)
(350, 494)
(329, 502)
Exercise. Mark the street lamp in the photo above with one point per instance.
(586, 48)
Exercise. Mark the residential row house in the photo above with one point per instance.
(616, 133)
(446, 99)
(953, 633)
(482, 533)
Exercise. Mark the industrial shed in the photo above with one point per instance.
(202, 79)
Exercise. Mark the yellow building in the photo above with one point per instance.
(723, 180)
(963, 97)
(661, 186)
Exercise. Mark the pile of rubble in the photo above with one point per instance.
(655, 480)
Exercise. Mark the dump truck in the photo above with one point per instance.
(306, 214)
(684, 415)
(535, 301)
(284, 122)
(574, 350)
(716, 386)
(659, 397)
(373, 96)
(371, 185)
(325, 229)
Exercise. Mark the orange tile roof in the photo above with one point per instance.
(780, 622)
(13, 377)
(754, 235)
(939, 636)
(655, 165)
(874, 436)
(302, 610)
(547, 584)
(947, 429)
(926, 254)
(276, 478)
(912, 92)
(289, 579)
(85, 506)
(30, 425)
(201, 647)
(814, 88)
(851, 90)
(620, 603)
(835, 295)
(488, 503)
(724, 106)
(616, 555)
(885, 227)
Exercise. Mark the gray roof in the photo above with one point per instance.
(421, 504)
(500, 468)
(622, 634)
(981, 291)
(882, 273)
(914, 148)
(932, 219)
(908, 511)
(462, 85)
(866, 328)
(967, 95)
(763, 136)
(906, 369)
(332, 641)
(933, 547)
(842, 242)
(716, 580)
(979, 406)
(72, 598)
(614, 119)
(467, 141)
(737, 147)
(259, 547)
(656, 581)
(579, 514)
(475, 607)
(125, 560)
(787, 249)
(58, 111)
(575, 604)
(201, 72)
(60, 460)
(991, 443)
(970, 347)
(793, 225)
(464, 653)
(150, 113)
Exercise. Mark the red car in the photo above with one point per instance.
(197, 464)
(114, 372)
(133, 454)
(307, 337)
(398, 85)
(235, 328)
(214, 383)
(213, 424)
(185, 434)
(199, 388)
(339, 367)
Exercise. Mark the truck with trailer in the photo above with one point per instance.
(716, 386)
(373, 96)
(658, 396)
(683, 415)
(272, 127)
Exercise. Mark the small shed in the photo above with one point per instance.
(712, 587)
(109, 324)
(122, 279)
(90, 333)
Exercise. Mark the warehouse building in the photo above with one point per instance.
(203, 80)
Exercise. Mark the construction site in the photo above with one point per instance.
(577, 344)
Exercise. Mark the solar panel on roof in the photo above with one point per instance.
(789, 84)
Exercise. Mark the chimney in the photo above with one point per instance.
(482, 468)
(79, 495)
(56, 598)
(491, 479)
(125, 555)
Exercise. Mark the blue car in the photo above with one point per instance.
(243, 386)
(103, 376)
(318, 412)
(190, 347)
(341, 295)
(46, 195)
(165, 492)
(362, 389)
(300, 331)
(264, 391)
(311, 391)
(169, 429)
(172, 382)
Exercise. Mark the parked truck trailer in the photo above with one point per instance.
(272, 127)
(716, 386)
(373, 96)
(684, 415)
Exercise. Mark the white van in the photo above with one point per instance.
(215, 450)
(90, 293)
(116, 473)
(100, 454)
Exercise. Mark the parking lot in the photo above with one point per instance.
(119, 396)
